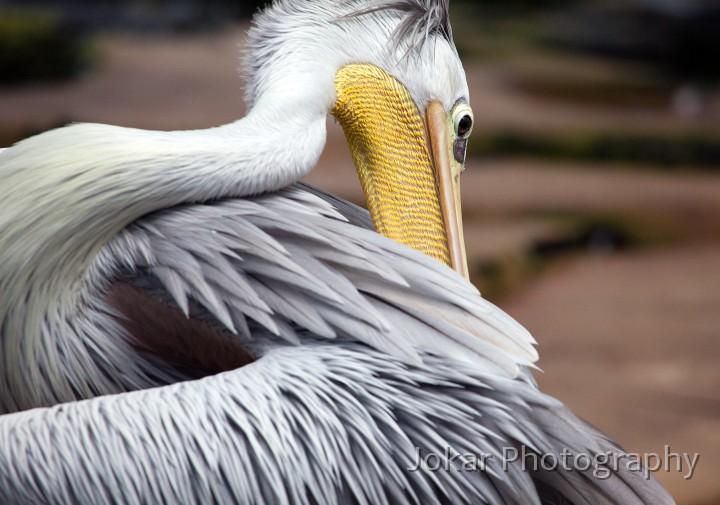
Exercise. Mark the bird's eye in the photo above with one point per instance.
(463, 121)
(465, 125)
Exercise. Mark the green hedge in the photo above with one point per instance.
(682, 150)
(36, 45)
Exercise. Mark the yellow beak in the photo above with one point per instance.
(404, 162)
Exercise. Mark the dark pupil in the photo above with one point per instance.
(464, 125)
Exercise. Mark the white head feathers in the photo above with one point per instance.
(298, 45)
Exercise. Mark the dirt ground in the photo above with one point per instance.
(629, 340)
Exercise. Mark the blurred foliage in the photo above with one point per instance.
(684, 44)
(500, 275)
(37, 45)
(148, 16)
(508, 7)
(600, 92)
(250, 7)
(573, 233)
(682, 39)
(680, 150)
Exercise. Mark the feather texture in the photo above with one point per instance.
(290, 259)
(324, 423)
(369, 379)
(422, 19)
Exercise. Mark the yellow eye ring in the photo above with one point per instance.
(463, 120)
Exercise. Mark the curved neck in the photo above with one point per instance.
(66, 193)
(69, 191)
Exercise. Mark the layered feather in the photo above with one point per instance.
(290, 262)
(323, 423)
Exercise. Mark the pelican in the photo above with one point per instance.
(181, 321)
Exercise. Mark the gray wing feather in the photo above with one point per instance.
(321, 423)
(291, 261)
(418, 361)
(351, 212)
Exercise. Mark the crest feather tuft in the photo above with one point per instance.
(423, 18)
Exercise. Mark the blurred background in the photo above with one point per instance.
(591, 196)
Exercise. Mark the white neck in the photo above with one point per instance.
(66, 193)
(69, 191)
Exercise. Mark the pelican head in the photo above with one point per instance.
(390, 74)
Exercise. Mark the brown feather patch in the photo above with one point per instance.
(164, 332)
